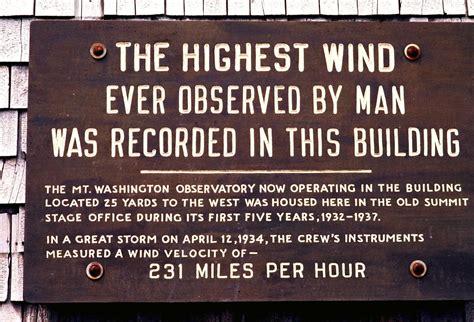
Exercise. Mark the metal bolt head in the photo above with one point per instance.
(94, 270)
(418, 268)
(412, 52)
(98, 50)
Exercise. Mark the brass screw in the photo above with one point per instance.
(412, 52)
(94, 270)
(418, 268)
(98, 50)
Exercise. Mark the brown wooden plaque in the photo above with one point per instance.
(249, 161)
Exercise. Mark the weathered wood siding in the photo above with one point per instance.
(15, 19)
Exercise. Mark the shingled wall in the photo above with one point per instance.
(15, 19)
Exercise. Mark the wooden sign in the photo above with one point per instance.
(249, 161)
